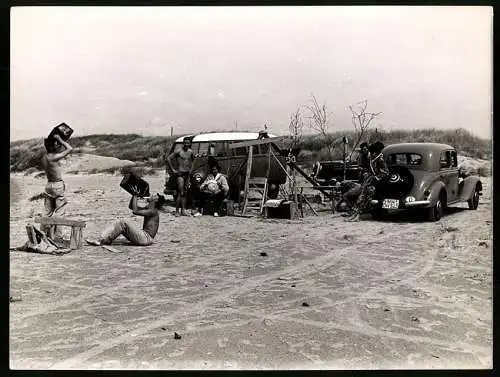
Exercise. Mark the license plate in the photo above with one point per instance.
(390, 204)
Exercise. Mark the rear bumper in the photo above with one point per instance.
(417, 203)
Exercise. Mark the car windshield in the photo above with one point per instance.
(410, 159)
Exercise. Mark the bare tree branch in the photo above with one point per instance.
(361, 120)
(295, 128)
(319, 121)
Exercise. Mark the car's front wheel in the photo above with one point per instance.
(436, 211)
(473, 202)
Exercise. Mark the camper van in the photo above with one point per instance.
(231, 160)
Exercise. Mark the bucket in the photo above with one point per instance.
(63, 130)
(131, 183)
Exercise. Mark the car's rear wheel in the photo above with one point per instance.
(436, 211)
(473, 202)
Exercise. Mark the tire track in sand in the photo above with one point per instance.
(304, 268)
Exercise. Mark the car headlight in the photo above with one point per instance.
(410, 199)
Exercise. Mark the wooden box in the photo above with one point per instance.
(286, 210)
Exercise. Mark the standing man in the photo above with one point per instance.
(54, 190)
(185, 159)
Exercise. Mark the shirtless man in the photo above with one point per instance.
(185, 158)
(54, 200)
(127, 228)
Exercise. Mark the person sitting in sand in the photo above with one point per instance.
(214, 188)
(54, 200)
(127, 228)
(185, 159)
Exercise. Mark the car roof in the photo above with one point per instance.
(416, 148)
(221, 136)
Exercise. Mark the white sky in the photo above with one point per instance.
(144, 69)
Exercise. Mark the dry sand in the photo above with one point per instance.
(397, 293)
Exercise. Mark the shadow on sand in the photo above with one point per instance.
(15, 191)
(409, 217)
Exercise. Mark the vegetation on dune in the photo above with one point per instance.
(148, 151)
(315, 147)
(27, 154)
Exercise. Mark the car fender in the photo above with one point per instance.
(435, 189)
(468, 186)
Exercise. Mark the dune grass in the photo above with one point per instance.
(148, 151)
(467, 144)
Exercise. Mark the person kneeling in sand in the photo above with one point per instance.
(140, 237)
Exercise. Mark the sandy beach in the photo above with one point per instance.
(397, 293)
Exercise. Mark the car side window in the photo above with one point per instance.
(444, 160)
(414, 159)
(401, 159)
(220, 149)
(240, 151)
(203, 151)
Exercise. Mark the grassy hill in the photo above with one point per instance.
(150, 150)
(467, 144)
(26, 154)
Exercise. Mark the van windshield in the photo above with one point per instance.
(221, 148)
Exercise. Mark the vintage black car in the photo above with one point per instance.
(328, 173)
(425, 177)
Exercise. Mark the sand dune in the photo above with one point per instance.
(85, 162)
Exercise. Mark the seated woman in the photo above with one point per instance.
(214, 188)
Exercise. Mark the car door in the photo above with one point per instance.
(446, 174)
(453, 193)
